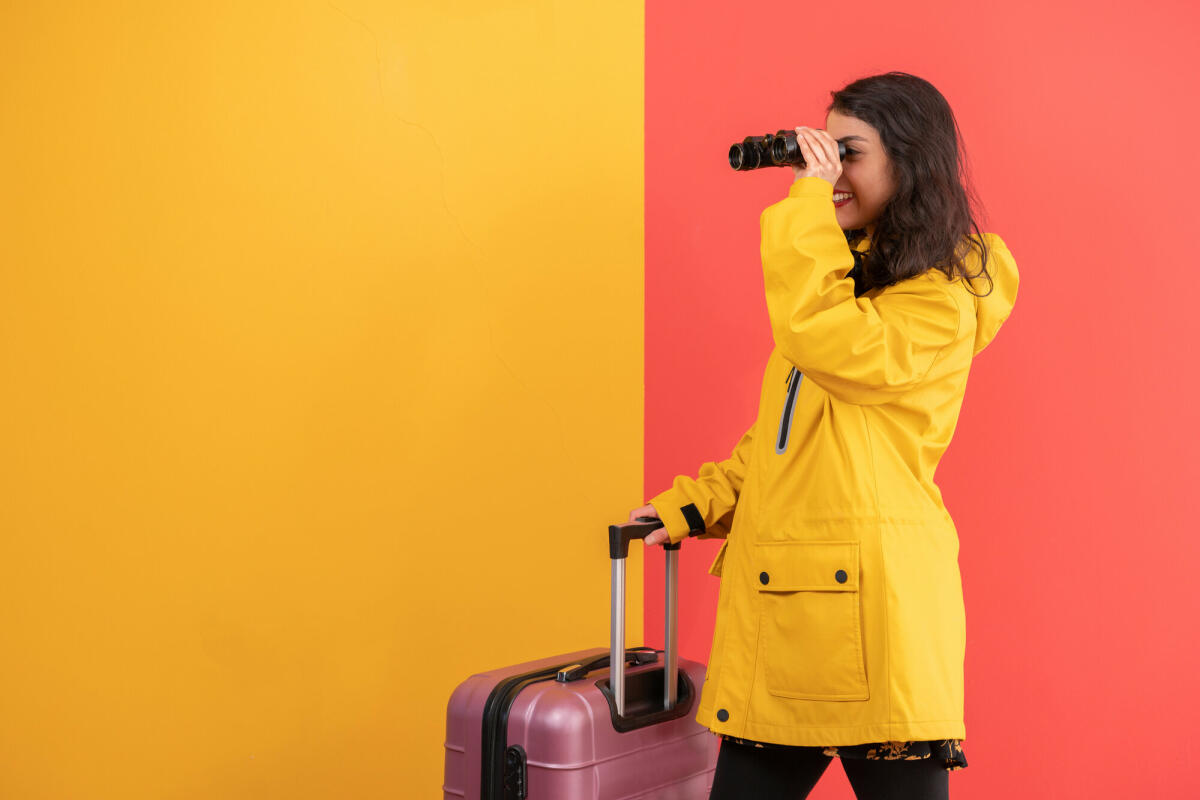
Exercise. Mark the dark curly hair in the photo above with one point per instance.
(927, 223)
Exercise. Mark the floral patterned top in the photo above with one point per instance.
(948, 751)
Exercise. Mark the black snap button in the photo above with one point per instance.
(841, 576)
(764, 578)
(723, 715)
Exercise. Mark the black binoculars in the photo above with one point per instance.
(772, 150)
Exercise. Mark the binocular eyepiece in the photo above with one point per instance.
(772, 150)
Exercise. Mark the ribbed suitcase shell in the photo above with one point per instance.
(572, 750)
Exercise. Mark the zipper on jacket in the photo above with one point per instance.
(785, 421)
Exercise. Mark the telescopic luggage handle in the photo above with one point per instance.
(619, 537)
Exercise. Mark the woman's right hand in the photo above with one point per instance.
(659, 536)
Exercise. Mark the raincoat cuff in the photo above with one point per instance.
(670, 510)
(811, 186)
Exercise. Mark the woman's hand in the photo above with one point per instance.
(654, 537)
(820, 151)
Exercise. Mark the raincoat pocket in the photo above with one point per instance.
(719, 562)
(812, 635)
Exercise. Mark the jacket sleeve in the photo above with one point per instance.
(861, 350)
(705, 503)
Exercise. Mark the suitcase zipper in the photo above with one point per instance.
(497, 774)
(785, 421)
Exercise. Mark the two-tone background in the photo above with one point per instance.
(334, 334)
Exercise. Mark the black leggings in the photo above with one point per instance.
(761, 773)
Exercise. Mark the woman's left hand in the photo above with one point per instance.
(820, 151)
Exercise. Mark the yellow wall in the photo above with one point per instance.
(321, 358)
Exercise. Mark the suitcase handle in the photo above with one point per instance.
(619, 537)
(638, 655)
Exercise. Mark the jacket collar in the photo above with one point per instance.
(859, 239)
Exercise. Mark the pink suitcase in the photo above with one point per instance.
(557, 729)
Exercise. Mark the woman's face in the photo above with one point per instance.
(865, 172)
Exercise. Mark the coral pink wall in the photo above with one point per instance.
(1071, 472)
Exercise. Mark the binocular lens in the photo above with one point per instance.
(742, 157)
(735, 156)
(782, 149)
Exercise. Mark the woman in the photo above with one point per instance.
(840, 628)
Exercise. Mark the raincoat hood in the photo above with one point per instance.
(992, 307)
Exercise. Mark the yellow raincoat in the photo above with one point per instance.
(840, 618)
